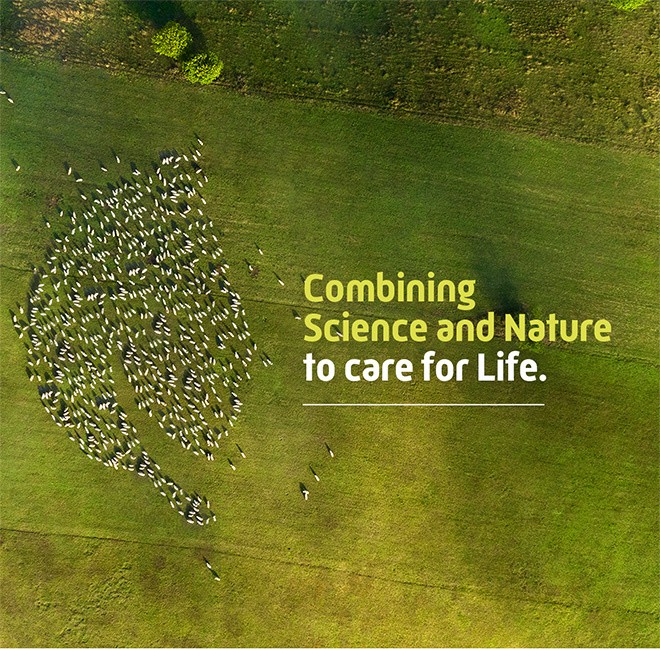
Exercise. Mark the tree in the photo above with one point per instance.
(202, 68)
(172, 40)
(628, 5)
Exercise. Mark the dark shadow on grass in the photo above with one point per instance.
(161, 12)
(157, 12)
(495, 281)
(10, 21)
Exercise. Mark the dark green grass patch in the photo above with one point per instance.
(586, 71)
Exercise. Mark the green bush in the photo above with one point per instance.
(202, 68)
(172, 40)
(628, 5)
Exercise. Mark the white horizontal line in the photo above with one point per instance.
(426, 405)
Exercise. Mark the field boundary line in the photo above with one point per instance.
(339, 103)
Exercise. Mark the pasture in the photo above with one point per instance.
(429, 526)
(584, 71)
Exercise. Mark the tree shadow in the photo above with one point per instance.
(161, 12)
(496, 283)
(157, 12)
(10, 20)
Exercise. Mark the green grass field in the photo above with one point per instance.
(430, 527)
(582, 70)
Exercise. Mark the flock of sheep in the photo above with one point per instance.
(136, 282)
